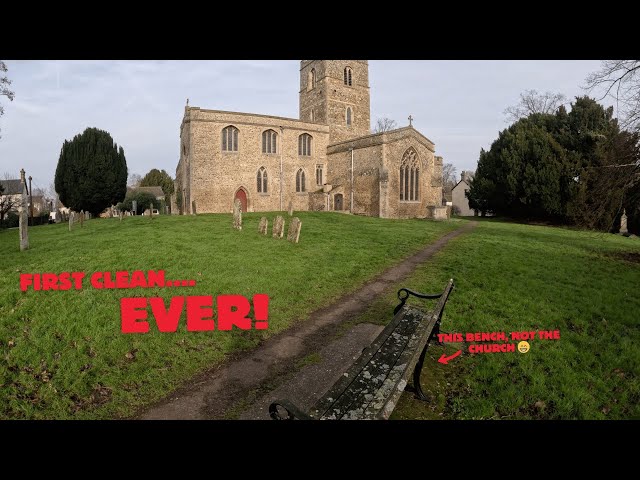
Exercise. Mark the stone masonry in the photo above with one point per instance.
(336, 117)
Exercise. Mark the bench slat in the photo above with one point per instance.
(360, 392)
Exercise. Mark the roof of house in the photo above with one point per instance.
(465, 182)
(11, 187)
(155, 191)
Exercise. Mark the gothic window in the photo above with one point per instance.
(269, 141)
(347, 76)
(262, 180)
(311, 81)
(230, 139)
(409, 177)
(304, 145)
(348, 116)
(319, 175)
(300, 181)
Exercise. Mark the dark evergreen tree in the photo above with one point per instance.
(159, 178)
(92, 172)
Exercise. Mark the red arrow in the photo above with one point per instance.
(445, 360)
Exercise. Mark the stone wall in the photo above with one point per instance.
(458, 199)
(330, 97)
(211, 177)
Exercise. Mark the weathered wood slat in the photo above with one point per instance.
(371, 376)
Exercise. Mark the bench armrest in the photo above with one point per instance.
(405, 293)
(293, 412)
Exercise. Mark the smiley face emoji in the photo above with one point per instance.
(523, 347)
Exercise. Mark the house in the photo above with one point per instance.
(10, 197)
(459, 197)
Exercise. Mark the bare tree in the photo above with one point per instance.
(384, 125)
(134, 180)
(620, 80)
(448, 177)
(9, 176)
(7, 203)
(533, 102)
(4, 86)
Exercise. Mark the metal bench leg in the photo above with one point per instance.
(417, 387)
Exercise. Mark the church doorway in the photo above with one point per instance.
(242, 196)
(337, 202)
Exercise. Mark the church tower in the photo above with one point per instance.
(336, 93)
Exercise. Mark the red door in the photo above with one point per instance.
(242, 196)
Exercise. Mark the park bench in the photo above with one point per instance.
(371, 387)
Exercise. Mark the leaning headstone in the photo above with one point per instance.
(294, 230)
(290, 208)
(623, 223)
(237, 215)
(278, 227)
(264, 226)
(22, 211)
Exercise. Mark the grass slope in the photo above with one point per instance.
(512, 277)
(63, 353)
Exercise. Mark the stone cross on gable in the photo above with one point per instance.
(410, 120)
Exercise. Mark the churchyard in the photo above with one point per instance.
(65, 356)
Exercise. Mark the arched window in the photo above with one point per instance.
(410, 177)
(311, 80)
(319, 175)
(348, 116)
(300, 181)
(262, 180)
(230, 139)
(347, 76)
(269, 141)
(304, 145)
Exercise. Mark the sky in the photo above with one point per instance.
(458, 104)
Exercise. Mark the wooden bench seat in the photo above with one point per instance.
(372, 386)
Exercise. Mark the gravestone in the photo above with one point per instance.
(278, 227)
(294, 230)
(82, 218)
(264, 226)
(623, 223)
(237, 215)
(22, 211)
(70, 220)
(290, 208)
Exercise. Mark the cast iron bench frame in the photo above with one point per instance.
(371, 387)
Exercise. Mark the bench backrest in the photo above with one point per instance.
(374, 383)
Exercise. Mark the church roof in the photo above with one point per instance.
(155, 191)
(380, 138)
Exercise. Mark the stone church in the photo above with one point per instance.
(328, 159)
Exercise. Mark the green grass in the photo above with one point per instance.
(63, 355)
(512, 277)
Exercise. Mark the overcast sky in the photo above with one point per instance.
(457, 104)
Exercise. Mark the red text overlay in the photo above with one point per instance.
(202, 313)
(497, 342)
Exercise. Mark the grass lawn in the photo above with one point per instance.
(512, 277)
(63, 353)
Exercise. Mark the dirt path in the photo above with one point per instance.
(239, 382)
